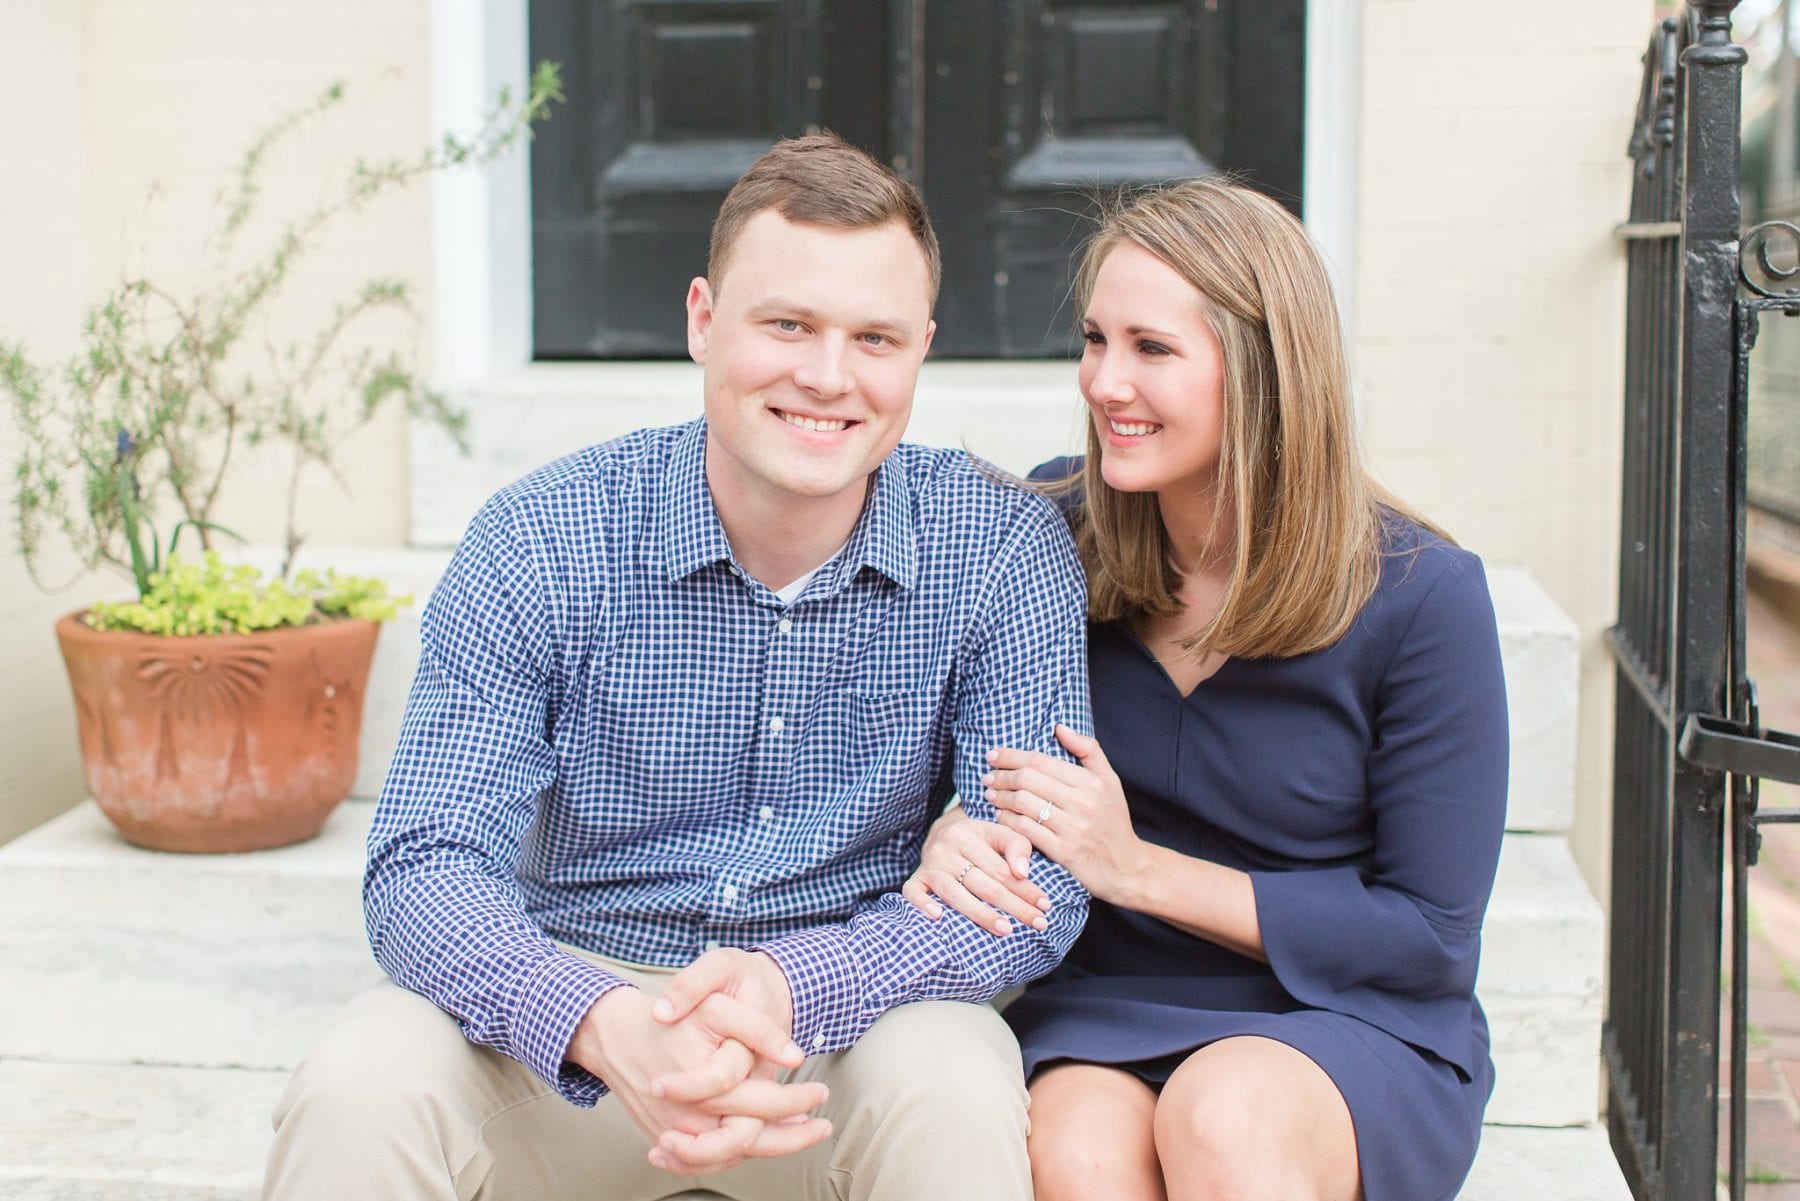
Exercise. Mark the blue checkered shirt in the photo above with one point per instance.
(619, 740)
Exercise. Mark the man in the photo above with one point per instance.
(689, 699)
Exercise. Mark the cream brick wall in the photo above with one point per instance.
(1489, 300)
(39, 264)
(102, 100)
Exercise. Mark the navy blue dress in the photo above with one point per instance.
(1363, 787)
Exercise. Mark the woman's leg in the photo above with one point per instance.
(1249, 1118)
(1091, 1136)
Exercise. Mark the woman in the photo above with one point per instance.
(1291, 834)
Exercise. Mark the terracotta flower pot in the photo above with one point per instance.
(228, 742)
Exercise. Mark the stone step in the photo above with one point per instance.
(1519, 1162)
(107, 1132)
(1540, 984)
(1540, 653)
(112, 954)
(120, 1132)
(1537, 642)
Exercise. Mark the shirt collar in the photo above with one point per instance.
(885, 538)
(692, 536)
(687, 523)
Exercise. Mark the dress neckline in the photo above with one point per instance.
(1163, 671)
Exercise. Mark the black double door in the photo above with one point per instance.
(1010, 115)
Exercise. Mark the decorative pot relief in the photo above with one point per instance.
(198, 685)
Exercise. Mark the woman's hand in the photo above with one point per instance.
(1074, 813)
(977, 867)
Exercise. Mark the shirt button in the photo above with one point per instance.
(785, 626)
(766, 813)
(818, 1040)
(776, 725)
(729, 892)
(711, 944)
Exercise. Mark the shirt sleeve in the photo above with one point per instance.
(444, 915)
(1023, 671)
(1397, 943)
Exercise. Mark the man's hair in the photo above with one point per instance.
(820, 179)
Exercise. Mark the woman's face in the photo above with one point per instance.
(1153, 376)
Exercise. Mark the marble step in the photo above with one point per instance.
(111, 954)
(107, 1132)
(1540, 983)
(122, 1132)
(114, 954)
(1518, 1162)
(1537, 642)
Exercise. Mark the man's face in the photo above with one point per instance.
(811, 341)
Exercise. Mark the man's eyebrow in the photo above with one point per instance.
(776, 306)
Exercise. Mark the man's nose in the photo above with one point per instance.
(825, 371)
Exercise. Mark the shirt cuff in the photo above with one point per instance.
(555, 999)
(826, 984)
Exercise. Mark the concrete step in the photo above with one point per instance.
(1540, 652)
(115, 1132)
(112, 954)
(1537, 642)
(1540, 984)
(103, 1132)
(1518, 1162)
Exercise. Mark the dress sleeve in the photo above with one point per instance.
(1022, 672)
(444, 915)
(1397, 943)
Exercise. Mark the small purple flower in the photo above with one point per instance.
(125, 444)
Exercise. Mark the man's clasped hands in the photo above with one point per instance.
(698, 1067)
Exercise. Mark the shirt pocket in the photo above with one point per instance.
(870, 765)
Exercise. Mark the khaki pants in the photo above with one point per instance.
(394, 1103)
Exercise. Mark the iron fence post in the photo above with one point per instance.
(1701, 629)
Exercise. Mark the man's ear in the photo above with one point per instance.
(699, 318)
(930, 332)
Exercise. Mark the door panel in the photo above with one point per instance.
(670, 101)
(1084, 99)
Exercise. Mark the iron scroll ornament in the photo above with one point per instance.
(1755, 248)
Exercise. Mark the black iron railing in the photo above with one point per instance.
(1687, 744)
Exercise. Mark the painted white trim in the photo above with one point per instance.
(1330, 153)
(481, 219)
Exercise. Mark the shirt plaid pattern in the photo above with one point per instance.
(619, 740)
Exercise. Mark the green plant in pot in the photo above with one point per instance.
(220, 708)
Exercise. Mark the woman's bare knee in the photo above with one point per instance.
(1252, 1118)
(1091, 1137)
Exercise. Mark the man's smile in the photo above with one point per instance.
(816, 424)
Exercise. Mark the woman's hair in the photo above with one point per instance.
(1304, 517)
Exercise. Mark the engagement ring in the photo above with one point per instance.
(1044, 816)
